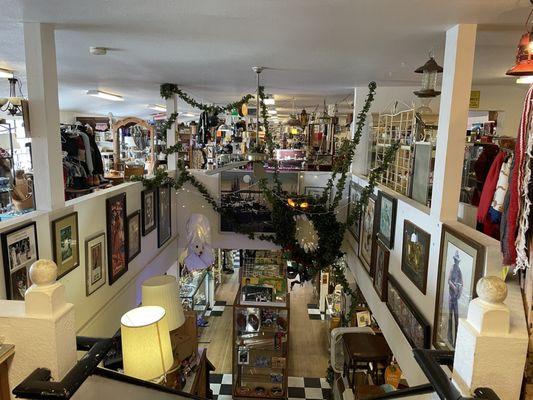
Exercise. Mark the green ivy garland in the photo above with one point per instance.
(169, 89)
(320, 213)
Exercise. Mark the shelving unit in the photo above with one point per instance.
(261, 320)
(194, 292)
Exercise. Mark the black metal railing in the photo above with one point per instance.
(39, 386)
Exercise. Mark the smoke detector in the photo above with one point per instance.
(98, 51)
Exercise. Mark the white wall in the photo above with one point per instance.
(99, 314)
(407, 209)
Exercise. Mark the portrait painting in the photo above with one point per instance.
(65, 243)
(461, 262)
(117, 243)
(415, 254)
(20, 251)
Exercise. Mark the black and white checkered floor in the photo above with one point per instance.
(217, 310)
(314, 313)
(299, 388)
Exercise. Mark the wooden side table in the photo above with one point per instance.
(6, 351)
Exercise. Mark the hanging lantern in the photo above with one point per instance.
(524, 57)
(429, 71)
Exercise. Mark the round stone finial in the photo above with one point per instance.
(43, 272)
(492, 289)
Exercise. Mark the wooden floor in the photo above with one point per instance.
(308, 349)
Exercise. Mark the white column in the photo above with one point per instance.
(491, 343)
(453, 115)
(41, 71)
(360, 159)
(172, 107)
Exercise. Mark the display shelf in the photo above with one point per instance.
(194, 292)
(260, 349)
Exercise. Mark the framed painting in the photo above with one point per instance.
(355, 196)
(65, 243)
(19, 251)
(415, 254)
(381, 270)
(134, 234)
(164, 227)
(411, 322)
(386, 218)
(461, 262)
(366, 241)
(117, 243)
(148, 210)
(95, 263)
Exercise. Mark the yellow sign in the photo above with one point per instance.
(474, 98)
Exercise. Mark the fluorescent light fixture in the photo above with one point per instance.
(272, 112)
(5, 73)
(105, 95)
(269, 100)
(188, 114)
(157, 107)
(525, 79)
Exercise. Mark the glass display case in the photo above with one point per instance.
(260, 350)
(194, 292)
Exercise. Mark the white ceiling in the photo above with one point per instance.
(320, 48)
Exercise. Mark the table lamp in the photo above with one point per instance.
(146, 350)
(163, 291)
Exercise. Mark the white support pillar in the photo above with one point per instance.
(172, 107)
(360, 159)
(41, 71)
(453, 115)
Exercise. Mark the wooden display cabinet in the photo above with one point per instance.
(260, 350)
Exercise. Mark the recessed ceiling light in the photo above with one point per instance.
(105, 95)
(157, 107)
(97, 51)
(5, 73)
(525, 79)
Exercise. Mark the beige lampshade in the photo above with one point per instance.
(163, 291)
(146, 349)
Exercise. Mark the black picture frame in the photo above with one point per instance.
(56, 243)
(386, 217)
(367, 237)
(90, 285)
(13, 271)
(464, 244)
(381, 270)
(134, 216)
(117, 239)
(413, 251)
(164, 212)
(354, 196)
(411, 322)
(148, 208)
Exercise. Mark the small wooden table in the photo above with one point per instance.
(6, 351)
(364, 348)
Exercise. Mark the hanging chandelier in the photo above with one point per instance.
(523, 68)
(12, 104)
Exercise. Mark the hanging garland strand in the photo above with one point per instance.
(266, 126)
(169, 89)
(347, 151)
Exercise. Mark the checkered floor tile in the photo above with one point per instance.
(218, 309)
(299, 388)
(314, 313)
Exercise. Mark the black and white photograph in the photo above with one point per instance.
(164, 225)
(148, 211)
